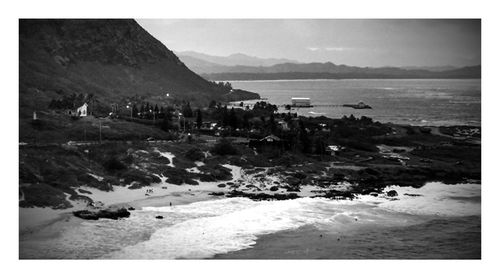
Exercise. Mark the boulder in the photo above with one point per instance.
(274, 188)
(104, 213)
(392, 193)
(216, 193)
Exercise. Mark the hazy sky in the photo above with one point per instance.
(368, 42)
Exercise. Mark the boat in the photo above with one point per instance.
(359, 105)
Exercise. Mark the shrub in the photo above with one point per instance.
(195, 154)
(113, 164)
(224, 147)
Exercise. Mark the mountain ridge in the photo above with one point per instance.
(316, 70)
(236, 59)
(113, 59)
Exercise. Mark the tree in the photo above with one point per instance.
(246, 122)
(199, 118)
(272, 124)
(212, 104)
(225, 116)
(167, 124)
(304, 138)
(134, 110)
(186, 110)
(233, 119)
(320, 145)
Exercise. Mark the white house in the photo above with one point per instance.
(82, 110)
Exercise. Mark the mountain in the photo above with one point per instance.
(437, 68)
(213, 69)
(237, 59)
(333, 71)
(112, 59)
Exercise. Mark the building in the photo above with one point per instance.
(333, 150)
(283, 125)
(82, 110)
(269, 143)
(301, 102)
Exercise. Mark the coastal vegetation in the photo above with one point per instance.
(306, 151)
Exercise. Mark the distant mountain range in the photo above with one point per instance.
(196, 59)
(240, 68)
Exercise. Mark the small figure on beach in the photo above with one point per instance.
(170, 203)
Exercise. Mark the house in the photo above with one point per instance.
(269, 143)
(283, 125)
(82, 110)
(333, 150)
(79, 112)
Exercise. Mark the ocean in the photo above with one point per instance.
(423, 102)
(436, 221)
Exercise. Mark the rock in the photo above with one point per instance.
(105, 213)
(392, 193)
(131, 208)
(412, 195)
(274, 188)
(216, 193)
(262, 196)
(159, 217)
(221, 185)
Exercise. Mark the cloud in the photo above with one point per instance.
(328, 48)
(336, 48)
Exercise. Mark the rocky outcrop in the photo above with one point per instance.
(392, 193)
(104, 213)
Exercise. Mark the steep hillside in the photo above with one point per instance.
(111, 59)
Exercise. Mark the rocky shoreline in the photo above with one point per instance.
(58, 176)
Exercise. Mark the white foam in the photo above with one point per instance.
(432, 199)
(228, 225)
(225, 225)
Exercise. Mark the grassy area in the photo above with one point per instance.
(58, 128)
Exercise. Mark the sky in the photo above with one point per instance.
(355, 42)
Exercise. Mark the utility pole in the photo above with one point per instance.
(129, 106)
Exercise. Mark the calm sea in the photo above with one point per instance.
(405, 101)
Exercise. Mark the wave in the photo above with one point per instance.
(227, 225)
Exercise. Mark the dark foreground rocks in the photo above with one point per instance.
(104, 213)
(262, 196)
